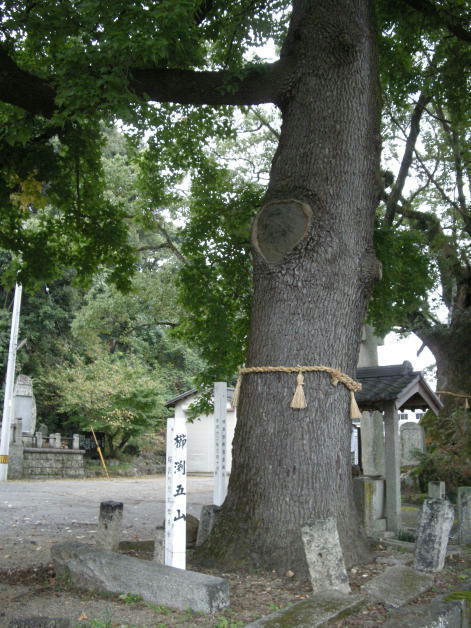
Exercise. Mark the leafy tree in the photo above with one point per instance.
(448, 455)
(427, 206)
(66, 67)
(120, 397)
(215, 283)
(45, 340)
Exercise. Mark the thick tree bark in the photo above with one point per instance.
(292, 466)
(450, 345)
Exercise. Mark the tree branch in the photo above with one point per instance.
(264, 122)
(188, 87)
(397, 188)
(171, 245)
(254, 86)
(435, 182)
(446, 257)
(23, 89)
(440, 17)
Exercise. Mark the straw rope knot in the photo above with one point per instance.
(299, 401)
(459, 395)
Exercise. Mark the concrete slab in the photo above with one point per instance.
(398, 585)
(90, 568)
(315, 611)
(436, 614)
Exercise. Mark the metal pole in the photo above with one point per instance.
(9, 383)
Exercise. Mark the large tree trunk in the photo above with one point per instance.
(292, 466)
(450, 345)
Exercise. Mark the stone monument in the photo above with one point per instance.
(24, 403)
(372, 444)
(436, 519)
(412, 438)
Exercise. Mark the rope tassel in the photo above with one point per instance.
(354, 409)
(299, 400)
(235, 396)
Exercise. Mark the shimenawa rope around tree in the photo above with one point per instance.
(299, 400)
(453, 394)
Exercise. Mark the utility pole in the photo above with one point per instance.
(9, 383)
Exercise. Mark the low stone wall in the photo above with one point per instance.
(53, 463)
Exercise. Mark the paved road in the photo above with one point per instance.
(36, 513)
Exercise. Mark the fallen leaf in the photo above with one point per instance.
(83, 616)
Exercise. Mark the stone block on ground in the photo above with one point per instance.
(39, 622)
(368, 494)
(435, 614)
(208, 519)
(397, 585)
(139, 549)
(324, 556)
(316, 611)
(89, 568)
(109, 525)
(192, 524)
(192, 528)
(159, 545)
(464, 514)
(433, 531)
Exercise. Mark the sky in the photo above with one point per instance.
(396, 349)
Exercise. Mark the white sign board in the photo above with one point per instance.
(175, 503)
(220, 437)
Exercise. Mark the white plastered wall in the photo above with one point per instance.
(200, 438)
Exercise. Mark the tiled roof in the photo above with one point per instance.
(397, 382)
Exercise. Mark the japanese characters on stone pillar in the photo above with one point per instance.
(175, 503)
(220, 433)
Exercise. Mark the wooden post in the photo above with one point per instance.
(220, 432)
(10, 378)
(175, 503)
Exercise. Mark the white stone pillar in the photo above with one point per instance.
(9, 381)
(39, 440)
(175, 504)
(75, 441)
(220, 433)
(392, 468)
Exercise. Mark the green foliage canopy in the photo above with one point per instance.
(118, 396)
